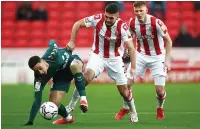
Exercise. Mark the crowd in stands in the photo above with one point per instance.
(183, 38)
(26, 12)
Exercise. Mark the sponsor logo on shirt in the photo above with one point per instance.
(142, 37)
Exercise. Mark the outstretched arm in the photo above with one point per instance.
(85, 22)
(38, 88)
(75, 29)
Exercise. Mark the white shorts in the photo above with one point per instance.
(154, 63)
(114, 67)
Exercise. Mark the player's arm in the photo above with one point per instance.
(127, 38)
(126, 52)
(85, 22)
(132, 53)
(168, 42)
(39, 84)
(162, 30)
(79, 24)
(52, 49)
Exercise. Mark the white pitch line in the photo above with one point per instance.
(105, 113)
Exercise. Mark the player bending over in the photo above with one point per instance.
(62, 66)
(107, 51)
(150, 33)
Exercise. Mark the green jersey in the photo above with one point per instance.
(56, 58)
(59, 61)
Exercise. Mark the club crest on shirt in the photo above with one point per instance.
(164, 28)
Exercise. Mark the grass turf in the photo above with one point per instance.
(182, 108)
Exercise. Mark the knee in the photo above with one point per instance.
(89, 75)
(161, 94)
(76, 66)
(88, 79)
(130, 83)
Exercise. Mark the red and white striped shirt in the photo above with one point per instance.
(108, 42)
(149, 35)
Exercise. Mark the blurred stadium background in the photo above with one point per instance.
(21, 39)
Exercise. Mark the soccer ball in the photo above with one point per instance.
(48, 110)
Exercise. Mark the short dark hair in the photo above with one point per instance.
(33, 61)
(112, 8)
(139, 3)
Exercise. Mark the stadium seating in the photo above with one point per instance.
(37, 34)
(67, 16)
(97, 6)
(53, 5)
(187, 6)
(173, 5)
(8, 43)
(21, 42)
(9, 6)
(53, 15)
(62, 15)
(38, 25)
(38, 43)
(9, 24)
(22, 34)
(69, 6)
(8, 16)
(23, 25)
(7, 34)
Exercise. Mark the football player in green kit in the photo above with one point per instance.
(61, 65)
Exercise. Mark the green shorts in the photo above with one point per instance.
(62, 79)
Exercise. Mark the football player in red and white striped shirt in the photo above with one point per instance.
(107, 51)
(150, 34)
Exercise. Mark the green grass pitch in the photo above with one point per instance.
(182, 108)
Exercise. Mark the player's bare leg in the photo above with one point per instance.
(56, 97)
(125, 110)
(161, 95)
(76, 69)
(127, 96)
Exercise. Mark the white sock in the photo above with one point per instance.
(83, 98)
(69, 117)
(125, 105)
(75, 97)
(132, 106)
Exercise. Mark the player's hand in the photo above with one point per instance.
(28, 123)
(167, 65)
(132, 72)
(70, 45)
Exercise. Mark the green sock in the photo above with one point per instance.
(62, 111)
(80, 83)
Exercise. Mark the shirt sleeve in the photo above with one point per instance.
(39, 84)
(126, 35)
(40, 81)
(161, 28)
(92, 20)
(51, 51)
(131, 25)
